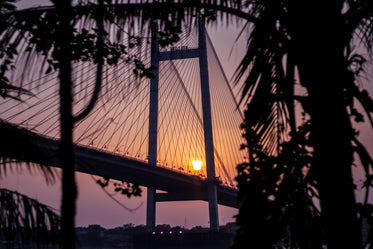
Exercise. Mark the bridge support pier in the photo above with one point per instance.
(150, 209)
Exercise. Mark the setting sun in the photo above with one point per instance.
(197, 164)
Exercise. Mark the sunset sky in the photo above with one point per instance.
(95, 206)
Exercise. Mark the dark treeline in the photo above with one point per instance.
(163, 236)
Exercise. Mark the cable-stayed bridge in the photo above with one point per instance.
(149, 131)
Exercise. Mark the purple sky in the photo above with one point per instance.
(96, 207)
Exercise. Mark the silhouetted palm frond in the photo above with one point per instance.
(30, 34)
(359, 17)
(294, 42)
(26, 222)
(266, 88)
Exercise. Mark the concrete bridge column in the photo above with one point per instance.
(207, 126)
(153, 125)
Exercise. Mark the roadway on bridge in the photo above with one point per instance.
(179, 186)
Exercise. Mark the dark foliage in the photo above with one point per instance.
(124, 188)
(297, 191)
(26, 222)
(276, 195)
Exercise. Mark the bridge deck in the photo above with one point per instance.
(178, 186)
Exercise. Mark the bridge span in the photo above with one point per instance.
(167, 121)
(179, 186)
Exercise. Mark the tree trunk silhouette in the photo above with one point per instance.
(323, 71)
(66, 151)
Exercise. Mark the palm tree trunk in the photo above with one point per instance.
(333, 157)
(66, 153)
(323, 71)
(67, 158)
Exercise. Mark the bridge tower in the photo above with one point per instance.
(156, 57)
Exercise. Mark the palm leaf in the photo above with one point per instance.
(32, 32)
(24, 221)
(267, 88)
(359, 21)
(367, 163)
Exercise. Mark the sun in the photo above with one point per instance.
(197, 164)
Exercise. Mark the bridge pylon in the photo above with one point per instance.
(156, 57)
(153, 124)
